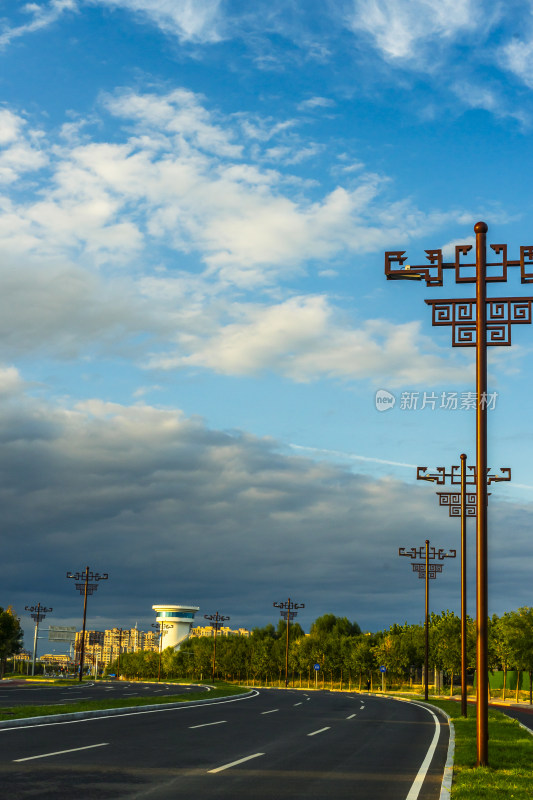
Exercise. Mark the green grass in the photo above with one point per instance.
(25, 712)
(510, 774)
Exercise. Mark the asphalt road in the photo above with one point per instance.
(273, 745)
(30, 694)
(523, 715)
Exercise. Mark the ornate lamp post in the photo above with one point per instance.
(85, 588)
(163, 629)
(461, 504)
(478, 323)
(216, 621)
(428, 572)
(288, 611)
(37, 613)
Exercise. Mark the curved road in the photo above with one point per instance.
(20, 693)
(272, 745)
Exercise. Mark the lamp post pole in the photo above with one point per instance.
(475, 323)
(216, 620)
(163, 628)
(463, 504)
(288, 610)
(429, 572)
(37, 613)
(85, 588)
(464, 710)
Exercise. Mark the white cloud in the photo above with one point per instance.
(301, 339)
(189, 20)
(19, 147)
(41, 17)
(189, 179)
(517, 57)
(401, 28)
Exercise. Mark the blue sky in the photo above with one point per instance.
(195, 202)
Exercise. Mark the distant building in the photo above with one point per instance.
(176, 622)
(103, 647)
(208, 630)
(58, 660)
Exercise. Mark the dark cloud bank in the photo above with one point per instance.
(175, 512)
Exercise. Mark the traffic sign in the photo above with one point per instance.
(317, 667)
(383, 669)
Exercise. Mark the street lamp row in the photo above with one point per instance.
(479, 323)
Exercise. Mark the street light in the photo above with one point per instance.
(428, 572)
(288, 611)
(85, 588)
(478, 323)
(37, 613)
(216, 621)
(463, 505)
(163, 629)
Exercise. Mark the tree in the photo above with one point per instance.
(329, 624)
(11, 635)
(519, 630)
(446, 643)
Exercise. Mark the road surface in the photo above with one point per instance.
(272, 745)
(19, 694)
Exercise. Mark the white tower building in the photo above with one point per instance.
(178, 622)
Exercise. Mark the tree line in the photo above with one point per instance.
(346, 656)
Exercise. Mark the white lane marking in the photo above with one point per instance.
(131, 694)
(206, 724)
(351, 716)
(321, 730)
(270, 712)
(60, 752)
(418, 782)
(298, 704)
(234, 763)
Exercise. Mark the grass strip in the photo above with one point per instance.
(510, 771)
(26, 712)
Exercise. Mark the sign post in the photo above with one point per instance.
(317, 669)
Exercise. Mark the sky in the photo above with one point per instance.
(196, 330)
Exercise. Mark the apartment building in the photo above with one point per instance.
(208, 630)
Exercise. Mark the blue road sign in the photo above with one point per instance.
(317, 667)
(383, 669)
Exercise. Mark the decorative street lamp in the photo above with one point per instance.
(478, 323)
(427, 572)
(163, 630)
(463, 505)
(288, 611)
(85, 588)
(37, 613)
(216, 621)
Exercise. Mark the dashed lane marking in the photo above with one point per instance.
(234, 763)
(320, 730)
(60, 752)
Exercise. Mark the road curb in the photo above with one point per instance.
(110, 712)
(447, 776)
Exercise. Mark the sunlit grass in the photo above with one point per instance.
(510, 774)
